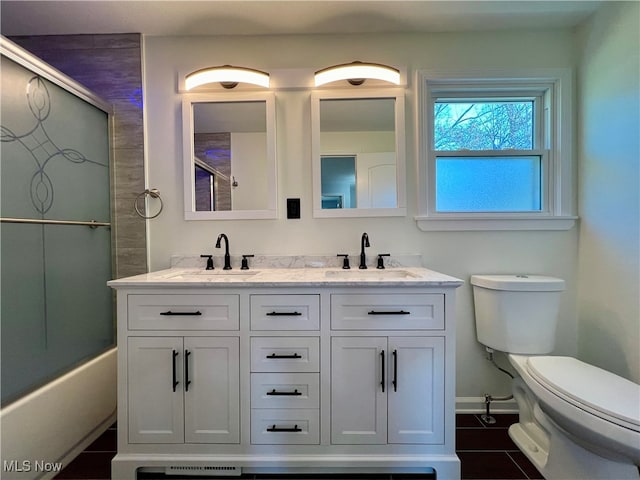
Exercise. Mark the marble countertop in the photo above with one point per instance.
(314, 272)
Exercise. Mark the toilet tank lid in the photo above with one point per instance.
(519, 282)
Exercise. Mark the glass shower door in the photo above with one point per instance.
(55, 235)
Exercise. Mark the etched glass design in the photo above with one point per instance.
(56, 308)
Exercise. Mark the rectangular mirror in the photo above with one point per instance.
(358, 153)
(229, 156)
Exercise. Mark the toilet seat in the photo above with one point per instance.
(601, 393)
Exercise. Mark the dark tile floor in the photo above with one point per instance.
(486, 453)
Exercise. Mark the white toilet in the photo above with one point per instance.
(577, 421)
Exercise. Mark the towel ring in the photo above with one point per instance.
(153, 193)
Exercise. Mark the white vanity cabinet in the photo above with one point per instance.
(281, 376)
(183, 389)
(387, 390)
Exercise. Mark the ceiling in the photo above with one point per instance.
(269, 17)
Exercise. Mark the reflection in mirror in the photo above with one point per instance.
(229, 158)
(226, 133)
(338, 180)
(357, 158)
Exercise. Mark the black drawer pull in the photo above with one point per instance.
(294, 355)
(382, 370)
(187, 382)
(174, 379)
(284, 429)
(182, 314)
(395, 371)
(284, 314)
(275, 392)
(397, 312)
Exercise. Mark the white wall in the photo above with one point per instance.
(456, 253)
(609, 202)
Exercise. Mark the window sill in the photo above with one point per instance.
(488, 223)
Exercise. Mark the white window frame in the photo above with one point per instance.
(553, 143)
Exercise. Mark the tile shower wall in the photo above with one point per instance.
(215, 150)
(110, 66)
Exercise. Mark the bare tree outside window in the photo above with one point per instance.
(505, 125)
(486, 161)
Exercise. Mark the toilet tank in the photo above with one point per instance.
(517, 313)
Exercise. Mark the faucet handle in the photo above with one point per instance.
(381, 260)
(245, 262)
(209, 261)
(345, 261)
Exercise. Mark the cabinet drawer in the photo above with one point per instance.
(285, 312)
(387, 312)
(184, 312)
(285, 390)
(285, 427)
(291, 354)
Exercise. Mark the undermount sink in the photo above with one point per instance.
(211, 274)
(370, 274)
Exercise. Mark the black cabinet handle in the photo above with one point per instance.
(395, 371)
(284, 314)
(273, 355)
(284, 429)
(293, 394)
(397, 312)
(383, 381)
(174, 381)
(187, 353)
(181, 314)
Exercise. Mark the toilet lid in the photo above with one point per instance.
(585, 385)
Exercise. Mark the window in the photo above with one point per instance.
(491, 155)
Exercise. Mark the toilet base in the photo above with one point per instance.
(553, 453)
(568, 461)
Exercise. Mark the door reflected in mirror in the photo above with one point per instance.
(357, 154)
(229, 158)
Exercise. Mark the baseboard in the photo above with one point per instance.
(477, 405)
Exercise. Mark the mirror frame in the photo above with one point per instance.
(372, 93)
(190, 212)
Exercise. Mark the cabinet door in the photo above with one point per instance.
(358, 394)
(416, 390)
(212, 389)
(154, 384)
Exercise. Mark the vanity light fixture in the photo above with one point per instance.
(228, 76)
(357, 72)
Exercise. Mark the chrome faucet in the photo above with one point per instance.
(364, 242)
(227, 257)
